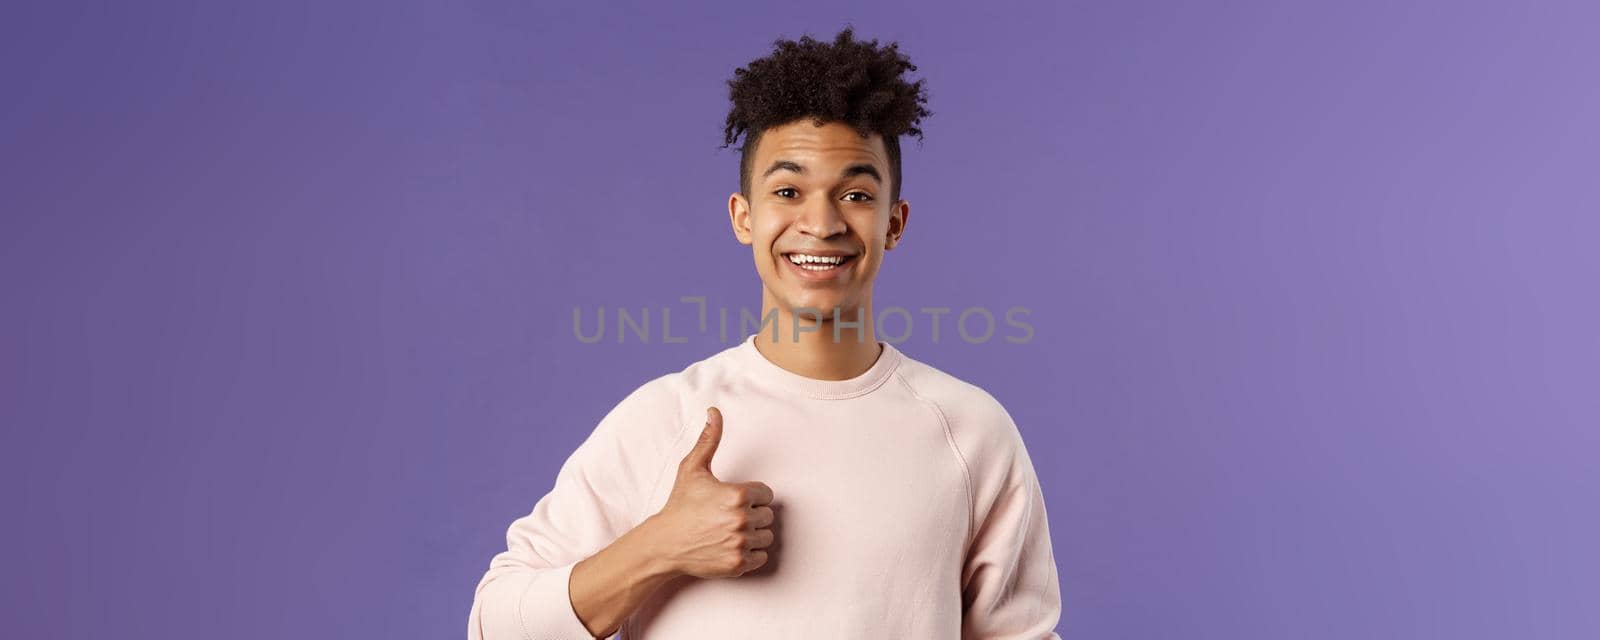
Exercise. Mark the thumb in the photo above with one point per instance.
(710, 437)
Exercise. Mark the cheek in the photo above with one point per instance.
(765, 234)
(761, 241)
(874, 234)
(767, 239)
(870, 224)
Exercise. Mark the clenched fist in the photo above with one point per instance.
(710, 528)
(707, 529)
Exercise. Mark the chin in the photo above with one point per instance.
(825, 307)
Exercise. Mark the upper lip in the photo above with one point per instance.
(825, 253)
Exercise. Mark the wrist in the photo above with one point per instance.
(651, 554)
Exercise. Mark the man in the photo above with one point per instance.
(837, 488)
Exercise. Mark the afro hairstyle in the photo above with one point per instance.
(848, 81)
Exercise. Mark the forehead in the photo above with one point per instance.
(809, 145)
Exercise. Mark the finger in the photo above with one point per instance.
(760, 493)
(759, 539)
(761, 517)
(700, 456)
(753, 560)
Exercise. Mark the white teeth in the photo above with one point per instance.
(803, 259)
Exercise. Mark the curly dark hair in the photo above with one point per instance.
(853, 82)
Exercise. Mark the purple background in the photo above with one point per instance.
(287, 343)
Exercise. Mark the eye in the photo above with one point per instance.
(865, 197)
(780, 192)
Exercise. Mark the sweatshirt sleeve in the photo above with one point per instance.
(1009, 587)
(596, 498)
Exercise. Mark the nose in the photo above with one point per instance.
(821, 220)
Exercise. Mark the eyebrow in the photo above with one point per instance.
(857, 169)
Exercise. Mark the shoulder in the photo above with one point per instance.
(966, 407)
(981, 431)
(651, 396)
(656, 411)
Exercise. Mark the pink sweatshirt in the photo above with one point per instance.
(906, 505)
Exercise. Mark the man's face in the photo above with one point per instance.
(818, 216)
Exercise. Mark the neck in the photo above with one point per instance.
(812, 351)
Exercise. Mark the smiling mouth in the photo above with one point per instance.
(818, 263)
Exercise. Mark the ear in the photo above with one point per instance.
(899, 214)
(739, 216)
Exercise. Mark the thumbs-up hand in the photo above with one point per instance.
(709, 528)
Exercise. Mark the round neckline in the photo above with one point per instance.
(769, 371)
